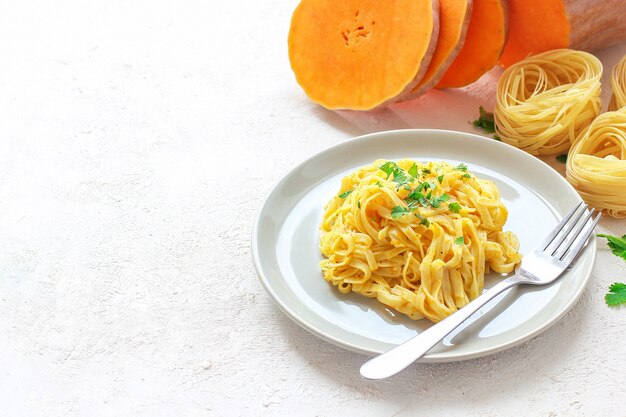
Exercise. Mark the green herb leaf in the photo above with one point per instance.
(496, 137)
(423, 220)
(461, 167)
(399, 211)
(347, 193)
(391, 168)
(440, 179)
(617, 245)
(358, 204)
(380, 184)
(455, 207)
(466, 176)
(436, 201)
(416, 197)
(425, 171)
(616, 294)
(562, 158)
(388, 168)
(460, 240)
(485, 121)
(413, 170)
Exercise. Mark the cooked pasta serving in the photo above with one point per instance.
(418, 237)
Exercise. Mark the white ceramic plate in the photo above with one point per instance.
(286, 253)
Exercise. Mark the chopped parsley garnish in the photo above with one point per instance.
(416, 197)
(455, 207)
(616, 294)
(466, 176)
(460, 240)
(399, 211)
(436, 201)
(347, 193)
(399, 176)
(461, 167)
(562, 158)
(380, 184)
(413, 170)
(425, 171)
(423, 220)
(358, 204)
(617, 245)
(485, 121)
(440, 179)
(496, 137)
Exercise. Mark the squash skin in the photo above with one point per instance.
(349, 62)
(484, 43)
(454, 19)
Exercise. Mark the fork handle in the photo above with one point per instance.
(401, 356)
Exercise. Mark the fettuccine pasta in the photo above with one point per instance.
(618, 85)
(545, 101)
(596, 164)
(417, 237)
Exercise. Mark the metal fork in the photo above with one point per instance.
(542, 266)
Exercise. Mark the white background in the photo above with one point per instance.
(138, 140)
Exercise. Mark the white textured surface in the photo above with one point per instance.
(138, 140)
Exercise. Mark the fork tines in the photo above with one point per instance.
(570, 236)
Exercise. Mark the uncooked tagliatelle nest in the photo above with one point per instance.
(618, 85)
(545, 101)
(596, 164)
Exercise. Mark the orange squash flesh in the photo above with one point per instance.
(541, 25)
(535, 26)
(454, 18)
(483, 46)
(361, 54)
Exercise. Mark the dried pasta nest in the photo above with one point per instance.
(545, 101)
(596, 164)
(618, 85)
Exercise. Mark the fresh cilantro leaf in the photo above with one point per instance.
(440, 179)
(391, 168)
(485, 121)
(436, 201)
(616, 294)
(358, 204)
(461, 167)
(460, 240)
(617, 245)
(455, 207)
(416, 197)
(380, 184)
(562, 158)
(387, 168)
(399, 211)
(425, 171)
(413, 170)
(347, 193)
(407, 187)
(466, 176)
(399, 176)
(423, 220)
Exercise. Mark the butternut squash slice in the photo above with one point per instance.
(483, 46)
(361, 54)
(541, 25)
(454, 18)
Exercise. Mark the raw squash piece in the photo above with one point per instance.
(483, 46)
(541, 25)
(454, 18)
(361, 54)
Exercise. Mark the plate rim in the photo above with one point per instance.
(448, 356)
